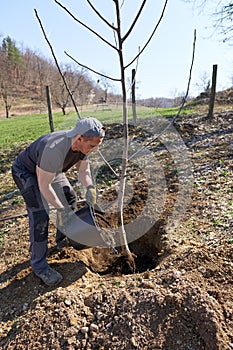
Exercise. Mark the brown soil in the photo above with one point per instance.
(180, 296)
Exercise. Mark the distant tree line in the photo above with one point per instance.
(160, 102)
(24, 75)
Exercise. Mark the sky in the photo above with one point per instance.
(163, 67)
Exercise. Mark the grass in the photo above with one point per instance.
(26, 128)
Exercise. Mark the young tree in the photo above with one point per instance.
(120, 39)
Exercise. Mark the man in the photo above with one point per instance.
(38, 171)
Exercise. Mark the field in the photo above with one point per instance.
(181, 295)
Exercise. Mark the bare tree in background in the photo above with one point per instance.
(204, 84)
(76, 81)
(84, 92)
(222, 15)
(224, 21)
(105, 85)
(6, 84)
(35, 71)
(120, 39)
(43, 71)
(59, 93)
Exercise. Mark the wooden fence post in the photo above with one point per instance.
(49, 109)
(213, 91)
(133, 97)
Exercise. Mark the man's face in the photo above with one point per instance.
(86, 146)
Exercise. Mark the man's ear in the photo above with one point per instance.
(78, 138)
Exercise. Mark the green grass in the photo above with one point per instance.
(26, 128)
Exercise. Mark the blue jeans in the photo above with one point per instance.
(38, 211)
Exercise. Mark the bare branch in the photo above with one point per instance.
(90, 69)
(105, 21)
(134, 22)
(58, 67)
(181, 107)
(136, 69)
(190, 76)
(107, 163)
(100, 16)
(84, 25)
(223, 22)
(153, 32)
(114, 34)
(122, 4)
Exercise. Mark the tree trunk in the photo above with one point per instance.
(7, 111)
(123, 236)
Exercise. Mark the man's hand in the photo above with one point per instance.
(63, 217)
(91, 195)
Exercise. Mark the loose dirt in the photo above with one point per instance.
(180, 296)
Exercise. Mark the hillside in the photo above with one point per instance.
(27, 100)
(180, 296)
(25, 74)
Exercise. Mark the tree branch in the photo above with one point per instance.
(58, 67)
(90, 69)
(100, 16)
(136, 69)
(181, 106)
(134, 22)
(85, 26)
(152, 34)
(224, 21)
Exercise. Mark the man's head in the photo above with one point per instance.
(87, 127)
(87, 135)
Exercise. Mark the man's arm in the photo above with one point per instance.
(85, 178)
(84, 173)
(44, 181)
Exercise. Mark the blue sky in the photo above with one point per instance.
(163, 68)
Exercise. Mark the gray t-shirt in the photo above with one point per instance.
(51, 152)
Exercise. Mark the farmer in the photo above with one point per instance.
(38, 171)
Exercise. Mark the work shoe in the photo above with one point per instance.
(62, 243)
(50, 277)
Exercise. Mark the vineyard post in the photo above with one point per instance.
(49, 109)
(213, 91)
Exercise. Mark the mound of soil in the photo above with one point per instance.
(180, 296)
